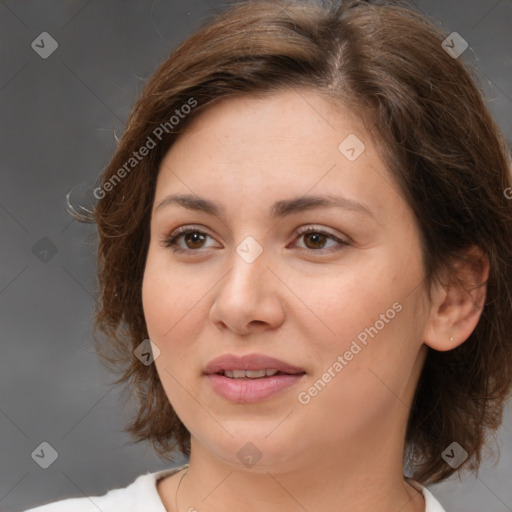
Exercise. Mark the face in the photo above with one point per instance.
(258, 269)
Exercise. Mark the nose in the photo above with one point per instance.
(249, 297)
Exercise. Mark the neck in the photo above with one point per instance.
(363, 477)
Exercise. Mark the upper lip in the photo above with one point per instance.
(249, 362)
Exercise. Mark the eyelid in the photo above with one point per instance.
(311, 228)
(168, 240)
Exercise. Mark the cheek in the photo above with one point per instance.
(342, 306)
(362, 388)
(167, 297)
(175, 310)
(169, 310)
(371, 323)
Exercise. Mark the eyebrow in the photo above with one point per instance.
(279, 209)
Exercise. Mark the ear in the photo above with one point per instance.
(457, 305)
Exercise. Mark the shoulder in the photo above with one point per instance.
(140, 495)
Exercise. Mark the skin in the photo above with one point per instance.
(303, 300)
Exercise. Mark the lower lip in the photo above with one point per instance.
(246, 391)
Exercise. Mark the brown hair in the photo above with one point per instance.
(446, 154)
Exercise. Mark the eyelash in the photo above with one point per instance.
(170, 241)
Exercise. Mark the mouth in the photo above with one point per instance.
(251, 378)
(251, 374)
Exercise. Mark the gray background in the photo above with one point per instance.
(58, 120)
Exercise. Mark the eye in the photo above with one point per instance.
(316, 238)
(193, 238)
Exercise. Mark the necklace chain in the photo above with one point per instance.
(186, 471)
(177, 489)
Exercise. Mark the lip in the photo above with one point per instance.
(246, 390)
(249, 362)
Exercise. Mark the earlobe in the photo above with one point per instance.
(456, 307)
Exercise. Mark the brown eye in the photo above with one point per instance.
(194, 239)
(316, 240)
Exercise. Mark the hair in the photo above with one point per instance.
(385, 62)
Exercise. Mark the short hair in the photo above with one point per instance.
(385, 62)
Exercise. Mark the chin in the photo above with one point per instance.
(252, 450)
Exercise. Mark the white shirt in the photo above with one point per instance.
(142, 496)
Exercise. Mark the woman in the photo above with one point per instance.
(307, 216)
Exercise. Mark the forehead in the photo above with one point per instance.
(283, 129)
(289, 142)
(288, 117)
